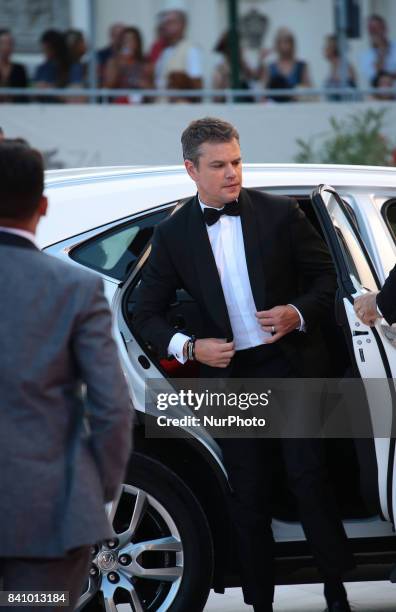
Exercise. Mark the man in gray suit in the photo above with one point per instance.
(63, 451)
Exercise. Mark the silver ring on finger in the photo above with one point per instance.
(273, 330)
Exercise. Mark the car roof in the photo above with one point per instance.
(85, 198)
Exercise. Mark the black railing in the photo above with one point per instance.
(103, 96)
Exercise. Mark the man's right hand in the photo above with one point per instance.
(365, 307)
(214, 352)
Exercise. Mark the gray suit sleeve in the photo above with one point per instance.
(109, 407)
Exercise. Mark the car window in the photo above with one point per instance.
(389, 212)
(355, 257)
(114, 252)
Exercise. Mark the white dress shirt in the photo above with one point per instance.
(193, 67)
(226, 240)
(369, 59)
(20, 232)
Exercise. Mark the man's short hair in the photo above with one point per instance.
(181, 15)
(375, 81)
(21, 179)
(377, 17)
(208, 129)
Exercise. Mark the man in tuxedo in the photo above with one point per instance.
(373, 305)
(263, 280)
(65, 412)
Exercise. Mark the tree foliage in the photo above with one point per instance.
(358, 139)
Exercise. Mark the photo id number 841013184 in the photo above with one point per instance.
(34, 598)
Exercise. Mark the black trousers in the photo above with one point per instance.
(68, 573)
(249, 463)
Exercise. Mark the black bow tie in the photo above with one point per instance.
(212, 215)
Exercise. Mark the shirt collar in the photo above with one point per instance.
(203, 205)
(20, 232)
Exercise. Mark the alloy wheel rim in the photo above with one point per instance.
(141, 572)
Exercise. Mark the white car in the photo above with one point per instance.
(173, 540)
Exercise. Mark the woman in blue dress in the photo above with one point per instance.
(286, 72)
(58, 70)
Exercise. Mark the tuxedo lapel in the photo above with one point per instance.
(208, 276)
(253, 250)
(9, 239)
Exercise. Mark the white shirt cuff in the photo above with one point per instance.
(176, 345)
(302, 327)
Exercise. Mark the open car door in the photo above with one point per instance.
(373, 353)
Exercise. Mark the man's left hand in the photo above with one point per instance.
(279, 321)
(365, 307)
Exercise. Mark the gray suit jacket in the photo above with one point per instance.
(55, 472)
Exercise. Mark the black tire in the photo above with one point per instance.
(164, 485)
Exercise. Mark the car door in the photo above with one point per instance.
(374, 356)
(112, 251)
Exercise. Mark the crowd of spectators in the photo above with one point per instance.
(175, 63)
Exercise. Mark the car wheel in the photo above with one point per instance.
(161, 557)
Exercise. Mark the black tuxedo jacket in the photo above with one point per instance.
(287, 261)
(386, 299)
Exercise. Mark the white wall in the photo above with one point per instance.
(388, 9)
(85, 135)
(79, 14)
